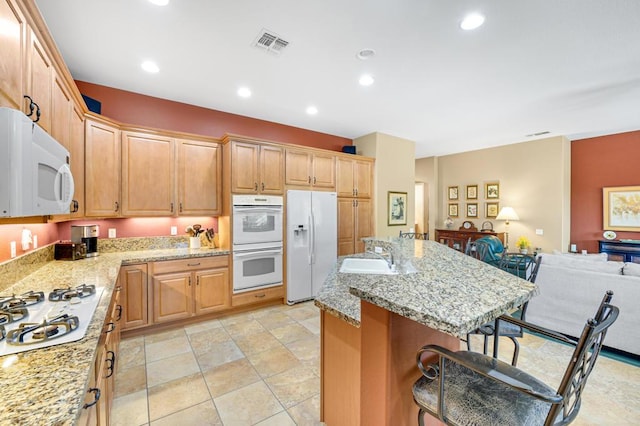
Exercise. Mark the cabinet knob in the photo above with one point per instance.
(180, 207)
(255, 186)
(309, 179)
(262, 186)
(117, 206)
(314, 180)
(75, 206)
(171, 207)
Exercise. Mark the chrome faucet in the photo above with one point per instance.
(389, 260)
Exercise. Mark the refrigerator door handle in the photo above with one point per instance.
(311, 238)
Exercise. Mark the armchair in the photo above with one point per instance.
(464, 388)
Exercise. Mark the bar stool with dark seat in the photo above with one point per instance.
(415, 235)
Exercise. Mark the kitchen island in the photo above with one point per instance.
(373, 325)
(47, 386)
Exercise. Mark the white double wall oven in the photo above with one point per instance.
(257, 241)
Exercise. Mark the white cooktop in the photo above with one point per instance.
(83, 310)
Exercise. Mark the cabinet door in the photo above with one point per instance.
(39, 81)
(102, 170)
(346, 226)
(362, 178)
(363, 223)
(298, 168)
(271, 170)
(199, 178)
(172, 297)
(76, 153)
(12, 52)
(148, 175)
(345, 178)
(244, 175)
(134, 285)
(212, 291)
(60, 112)
(324, 171)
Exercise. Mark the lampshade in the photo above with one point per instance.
(507, 213)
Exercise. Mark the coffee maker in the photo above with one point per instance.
(87, 234)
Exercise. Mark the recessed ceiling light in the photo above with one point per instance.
(366, 80)
(244, 92)
(472, 21)
(311, 110)
(365, 54)
(150, 66)
(159, 2)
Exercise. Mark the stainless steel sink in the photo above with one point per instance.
(366, 266)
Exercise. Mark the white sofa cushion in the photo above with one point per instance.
(602, 257)
(586, 264)
(632, 269)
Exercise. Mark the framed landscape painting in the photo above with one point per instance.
(621, 208)
(397, 208)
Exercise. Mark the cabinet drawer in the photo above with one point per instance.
(257, 296)
(195, 263)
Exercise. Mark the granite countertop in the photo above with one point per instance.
(448, 291)
(47, 385)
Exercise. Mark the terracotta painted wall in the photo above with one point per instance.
(133, 108)
(612, 160)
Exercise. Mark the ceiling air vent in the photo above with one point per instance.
(270, 41)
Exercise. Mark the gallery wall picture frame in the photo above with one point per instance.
(472, 209)
(453, 192)
(453, 209)
(492, 191)
(396, 208)
(621, 208)
(472, 192)
(491, 210)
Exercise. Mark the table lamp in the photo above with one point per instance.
(507, 214)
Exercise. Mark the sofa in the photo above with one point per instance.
(572, 287)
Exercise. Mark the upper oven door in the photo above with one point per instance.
(256, 224)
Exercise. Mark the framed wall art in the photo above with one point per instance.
(491, 210)
(453, 192)
(472, 209)
(453, 210)
(492, 191)
(472, 192)
(396, 208)
(621, 208)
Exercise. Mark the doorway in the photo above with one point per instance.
(422, 207)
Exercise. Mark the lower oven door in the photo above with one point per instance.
(257, 268)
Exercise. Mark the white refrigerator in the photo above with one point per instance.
(312, 242)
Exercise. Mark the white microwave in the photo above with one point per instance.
(36, 178)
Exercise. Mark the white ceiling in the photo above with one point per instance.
(569, 67)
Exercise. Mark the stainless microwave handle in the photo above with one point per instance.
(255, 253)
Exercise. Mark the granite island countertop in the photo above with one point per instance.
(47, 386)
(447, 290)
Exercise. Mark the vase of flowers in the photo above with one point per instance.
(523, 244)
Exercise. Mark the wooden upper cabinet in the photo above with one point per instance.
(13, 54)
(39, 81)
(308, 169)
(256, 168)
(102, 169)
(199, 178)
(354, 178)
(298, 167)
(76, 154)
(148, 175)
(60, 112)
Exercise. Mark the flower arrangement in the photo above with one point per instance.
(523, 242)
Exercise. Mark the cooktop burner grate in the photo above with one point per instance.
(9, 315)
(64, 294)
(25, 299)
(29, 333)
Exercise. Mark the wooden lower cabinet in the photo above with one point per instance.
(184, 288)
(100, 391)
(135, 294)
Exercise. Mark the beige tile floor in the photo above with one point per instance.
(262, 368)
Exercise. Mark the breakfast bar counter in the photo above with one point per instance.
(373, 325)
(47, 386)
